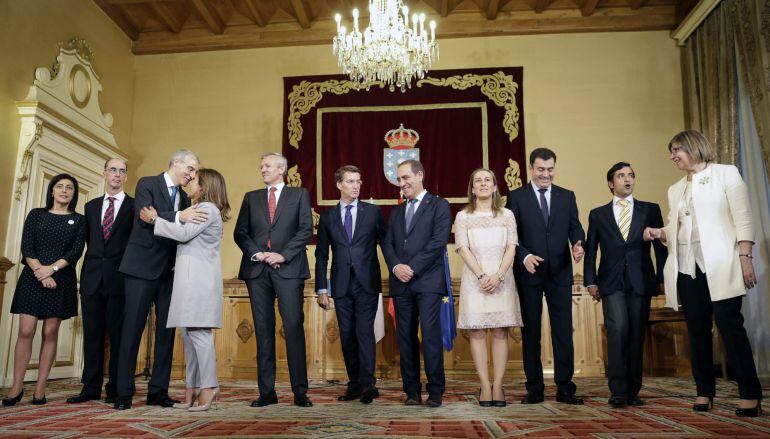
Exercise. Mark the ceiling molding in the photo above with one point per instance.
(693, 20)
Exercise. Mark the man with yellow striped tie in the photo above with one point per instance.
(626, 281)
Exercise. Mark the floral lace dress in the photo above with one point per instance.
(487, 237)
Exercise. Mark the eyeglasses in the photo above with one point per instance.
(120, 171)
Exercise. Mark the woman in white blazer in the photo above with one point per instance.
(709, 236)
(196, 298)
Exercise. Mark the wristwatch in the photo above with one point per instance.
(501, 277)
(55, 268)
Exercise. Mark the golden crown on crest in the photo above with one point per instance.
(402, 138)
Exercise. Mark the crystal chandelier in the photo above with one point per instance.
(388, 50)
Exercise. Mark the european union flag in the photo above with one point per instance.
(448, 327)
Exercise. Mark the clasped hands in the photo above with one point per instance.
(43, 274)
(270, 258)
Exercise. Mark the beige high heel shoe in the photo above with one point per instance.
(205, 407)
(184, 406)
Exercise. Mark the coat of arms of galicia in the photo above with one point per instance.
(401, 142)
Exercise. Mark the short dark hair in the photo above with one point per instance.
(415, 164)
(339, 174)
(54, 181)
(541, 153)
(615, 168)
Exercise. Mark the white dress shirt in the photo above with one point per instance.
(417, 203)
(617, 208)
(119, 197)
(278, 189)
(354, 215)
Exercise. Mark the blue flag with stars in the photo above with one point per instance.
(448, 327)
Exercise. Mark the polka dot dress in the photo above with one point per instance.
(49, 237)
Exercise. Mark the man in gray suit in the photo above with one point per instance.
(273, 229)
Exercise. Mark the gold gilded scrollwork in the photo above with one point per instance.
(293, 178)
(306, 95)
(498, 87)
(316, 218)
(512, 175)
(81, 48)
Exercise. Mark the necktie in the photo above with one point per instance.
(624, 220)
(109, 218)
(410, 213)
(348, 224)
(543, 205)
(172, 190)
(271, 209)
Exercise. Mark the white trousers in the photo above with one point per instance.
(200, 357)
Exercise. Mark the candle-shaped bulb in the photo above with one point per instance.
(432, 30)
(414, 23)
(355, 19)
(338, 19)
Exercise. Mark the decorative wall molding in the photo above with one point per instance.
(693, 20)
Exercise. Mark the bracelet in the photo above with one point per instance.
(501, 276)
(747, 255)
(482, 276)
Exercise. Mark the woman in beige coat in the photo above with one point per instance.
(709, 267)
(196, 298)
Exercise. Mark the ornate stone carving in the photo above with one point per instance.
(25, 158)
(244, 330)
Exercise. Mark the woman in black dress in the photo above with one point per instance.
(51, 244)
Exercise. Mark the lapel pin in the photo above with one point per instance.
(70, 222)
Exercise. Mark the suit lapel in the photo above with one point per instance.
(121, 215)
(337, 220)
(95, 216)
(285, 192)
(161, 180)
(609, 216)
(637, 219)
(262, 204)
(359, 220)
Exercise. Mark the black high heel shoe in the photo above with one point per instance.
(750, 413)
(499, 403)
(36, 401)
(7, 402)
(484, 403)
(704, 407)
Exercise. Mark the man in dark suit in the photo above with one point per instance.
(147, 265)
(352, 228)
(414, 250)
(108, 221)
(547, 222)
(627, 279)
(273, 229)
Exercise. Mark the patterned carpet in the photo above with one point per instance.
(667, 414)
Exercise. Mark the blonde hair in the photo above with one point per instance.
(695, 144)
(497, 200)
(213, 190)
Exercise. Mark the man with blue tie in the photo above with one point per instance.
(626, 281)
(548, 224)
(353, 229)
(147, 267)
(414, 247)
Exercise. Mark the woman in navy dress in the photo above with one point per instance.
(51, 244)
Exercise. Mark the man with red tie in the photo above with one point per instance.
(108, 221)
(273, 229)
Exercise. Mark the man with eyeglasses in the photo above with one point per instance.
(108, 222)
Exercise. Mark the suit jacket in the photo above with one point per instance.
(196, 300)
(147, 256)
(550, 241)
(361, 253)
(721, 202)
(421, 248)
(289, 234)
(621, 256)
(103, 257)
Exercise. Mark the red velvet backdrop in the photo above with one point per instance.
(465, 119)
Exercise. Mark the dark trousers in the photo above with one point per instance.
(355, 316)
(559, 300)
(102, 316)
(625, 318)
(423, 310)
(263, 291)
(140, 295)
(698, 309)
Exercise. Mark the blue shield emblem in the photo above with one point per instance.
(391, 158)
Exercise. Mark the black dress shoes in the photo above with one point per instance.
(703, 407)
(265, 400)
(569, 398)
(8, 402)
(433, 401)
(350, 394)
(635, 401)
(77, 399)
(110, 399)
(302, 401)
(161, 399)
(750, 412)
(122, 403)
(38, 401)
(532, 398)
(617, 402)
(369, 394)
(413, 400)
